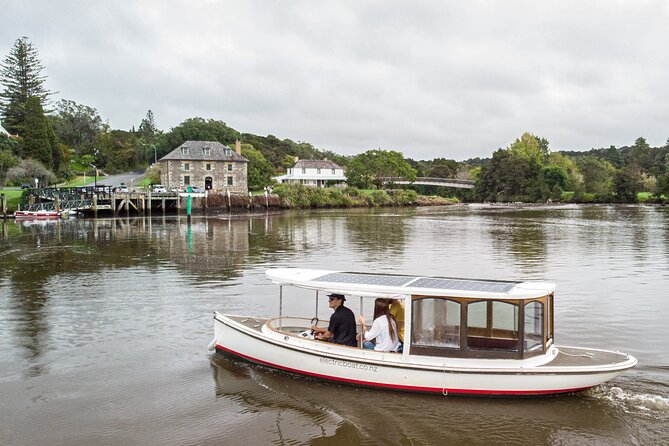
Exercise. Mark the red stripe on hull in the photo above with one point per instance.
(401, 387)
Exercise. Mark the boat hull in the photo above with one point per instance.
(37, 214)
(395, 371)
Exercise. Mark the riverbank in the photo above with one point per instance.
(296, 196)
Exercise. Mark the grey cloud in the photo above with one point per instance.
(448, 79)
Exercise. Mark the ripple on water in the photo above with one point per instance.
(640, 403)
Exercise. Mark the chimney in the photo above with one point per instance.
(238, 147)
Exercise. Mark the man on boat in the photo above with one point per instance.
(341, 329)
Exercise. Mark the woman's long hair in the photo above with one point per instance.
(381, 308)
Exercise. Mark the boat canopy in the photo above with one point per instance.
(388, 285)
(450, 317)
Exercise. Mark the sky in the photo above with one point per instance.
(431, 79)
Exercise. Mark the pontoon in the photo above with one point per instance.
(462, 336)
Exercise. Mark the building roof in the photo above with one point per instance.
(217, 152)
(315, 164)
(2, 130)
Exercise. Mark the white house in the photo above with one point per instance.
(318, 173)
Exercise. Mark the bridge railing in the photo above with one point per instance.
(427, 180)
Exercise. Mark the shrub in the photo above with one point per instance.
(379, 198)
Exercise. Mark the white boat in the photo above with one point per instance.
(461, 336)
(41, 214)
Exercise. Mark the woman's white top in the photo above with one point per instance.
(380, 333)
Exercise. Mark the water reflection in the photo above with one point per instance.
(379, 232)
(521, 233)
(266, 412)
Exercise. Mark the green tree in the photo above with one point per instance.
(441, 168)
(118, 151)
(56, 153)
(628, 183)
(10, 144)
(571, 169)
(259, 170)
(515, 173)
(148, 129)
(365, 169)
(36, 138)
(287, 162)
(21, 77)
(197, 129)
(7, 161)
(503, 178)
(598, 176)
(77, 125)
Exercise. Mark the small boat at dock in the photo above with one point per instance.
(41, 214)
(461, 337)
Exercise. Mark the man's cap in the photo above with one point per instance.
(338, 296)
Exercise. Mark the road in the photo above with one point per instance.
(130, 179)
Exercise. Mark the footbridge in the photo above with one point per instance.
(428, 181)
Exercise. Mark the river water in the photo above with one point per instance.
(104, 325)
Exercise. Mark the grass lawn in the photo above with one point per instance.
(13, 198)
(77, 181)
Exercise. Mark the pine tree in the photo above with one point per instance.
(20, 75)
(148, 128)
(36, 140)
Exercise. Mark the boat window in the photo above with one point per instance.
(549, 318)
(534, 326)
(436, 323)
(492, 325)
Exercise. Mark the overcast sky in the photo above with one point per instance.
(453, 79)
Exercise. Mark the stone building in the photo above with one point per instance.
(208, 165)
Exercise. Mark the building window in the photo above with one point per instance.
(186, 167)
(318, 171)
(227, 152)
(229, 167)
(207, 166)
(304, 171)
(206, 151)
(229, 181)
(184, 150)
(186, 180)
(333, 171)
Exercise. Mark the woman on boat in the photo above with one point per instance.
(383, 331)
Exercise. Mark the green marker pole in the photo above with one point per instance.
(189, 202)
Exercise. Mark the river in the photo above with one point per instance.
(104, 325)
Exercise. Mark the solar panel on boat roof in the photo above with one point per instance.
(463, 284)
(425, 282)
(366, 279)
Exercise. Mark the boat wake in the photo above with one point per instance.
(654, 405)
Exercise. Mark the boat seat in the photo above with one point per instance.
(486, 343)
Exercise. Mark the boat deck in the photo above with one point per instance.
(577, 357)
(255, 323)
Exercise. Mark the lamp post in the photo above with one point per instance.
(95, 181)
(155, 153)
